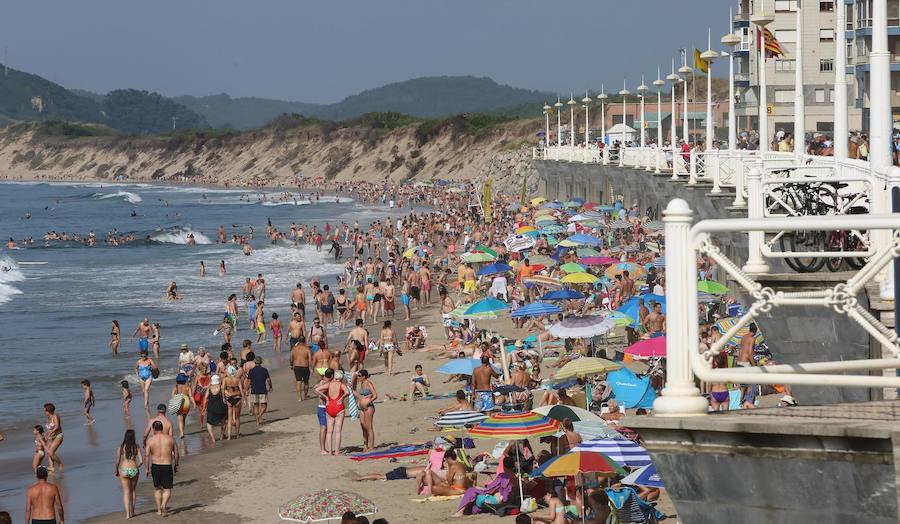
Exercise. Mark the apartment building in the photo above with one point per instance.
(858, 33)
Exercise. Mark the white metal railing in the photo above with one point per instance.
(684, 242)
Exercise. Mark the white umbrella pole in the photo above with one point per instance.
(519, 474)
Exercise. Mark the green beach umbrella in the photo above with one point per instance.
(543, 260)
(713, 288)
(484, 249)
(572, 267)
(587, 252)
(477, 257)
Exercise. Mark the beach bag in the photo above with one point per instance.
(154, 372)
(174, 405)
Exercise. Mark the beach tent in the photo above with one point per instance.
(630, 390)
(621, 132)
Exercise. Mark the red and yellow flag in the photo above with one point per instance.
(700, 63)
(773, 46)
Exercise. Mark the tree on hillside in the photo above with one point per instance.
(142, 112)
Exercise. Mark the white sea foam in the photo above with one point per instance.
(127, 195)
(287, 203)
(180, 236)
(9, 272)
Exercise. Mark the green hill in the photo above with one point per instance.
(427, 97)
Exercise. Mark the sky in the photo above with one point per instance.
(325, 50)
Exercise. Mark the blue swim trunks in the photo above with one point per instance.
(405, 299)
(320, 412)
(143, 344)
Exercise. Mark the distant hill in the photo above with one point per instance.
(28, 97)
(426, 97)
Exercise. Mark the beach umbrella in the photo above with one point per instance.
(460, 310)
(585, 366)
(456, 419)
(536, 309)
(421, 250)
(645, 476)
(590, 205)
(654, 226)
(543, 260)
(518, 242)
(652, 297)
(575, 462)
(713, 288)
(571, 204)
(634, 270)
(582, 239)
(619, 224)
(659, 262)
(590, 429)
(598, 261)
(536, 201)
(515, 426)
(327, 504)
(727, 323)
(553, 205)
(475, 257)
(648, 347)
(622, 451)
(542, 280)
(524, 229)
(459, 366)
(484, 249)
(544, 211)
(486, 308)
(579, 278)
(582, 327)
(572, 267)
(560, 412)
(587, 252)
(621, 319)
(494, 269)
(551, 228)
(563, 294)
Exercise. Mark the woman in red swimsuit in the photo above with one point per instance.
(332, 391)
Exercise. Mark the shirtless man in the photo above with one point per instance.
(748, 343)
(360, 334)
(415, 290)
(260, 287)
(481, 382)
(459, 404)
(300, 359)
(43, 503)
(247, 289)
(425, 279)
(317, 334)
(162, 463)
(298, 300)
(161, 417)
(655, 322)
(469, 280)
(627, 286)
(142, 332)
(447, 305)
(296, 329)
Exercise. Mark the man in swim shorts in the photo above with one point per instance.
(142, 332)
(161, 464)
(300, 357)
(43, 503)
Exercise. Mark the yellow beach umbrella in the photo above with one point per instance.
(586, 366)
(544, 211)
(536, 201)
(579, 278)
(524, 229)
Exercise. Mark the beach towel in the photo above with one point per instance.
(350, 403)
(392, 452)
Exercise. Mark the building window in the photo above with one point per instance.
(786, 36)
(826, 6)
(826, 65)
(820, 96)
(831, 95)
(783, 65)
(784, 96)
(745, 39)
(826, 35)
(785, 5)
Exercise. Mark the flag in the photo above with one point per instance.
(486, 201)
(700, 63)
(773, 46)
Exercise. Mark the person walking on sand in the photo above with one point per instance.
(300, 358)
(260, 387)
(144, 368)
(333, 391)
(215, 408)
(388, 344)
(53, 435)
(128, 468)
(234, 394)
(43, 502)
(161, 463)
(359, 334)
(87, 401)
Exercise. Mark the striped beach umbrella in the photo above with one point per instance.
(551, 228)
(541, 280)
(659, 262)
(624, 452)
(645, 476)
(727, 323)
(620, 224)
(476, 257)
(484, 249)
(654, 226)
(582, 327)
(515, 426)
(587, 252)
(458, 419)
(543, 260)
(634, 270)
(576, 462)
(460, 310)
(560, 412)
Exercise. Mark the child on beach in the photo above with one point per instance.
(88, 400)
(275, 326)
(126, 397)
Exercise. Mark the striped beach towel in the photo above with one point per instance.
(350, 404)
(624, 452)
(409, 450)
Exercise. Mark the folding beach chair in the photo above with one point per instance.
(631, 509)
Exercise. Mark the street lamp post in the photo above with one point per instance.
(672, 77)
(659, 83)
(799, 99)
(709, 56)
(762, 19)
(642, 89)
(586, 100)
(624, 92)
(546, 130)
(558, 105)
(685, 70)
(571, 136)
(731, 40)
(841, 131)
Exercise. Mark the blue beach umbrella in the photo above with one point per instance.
(552, 229)
(553, 205)
(646, 476)
(486, 308)
(459, 366)
(494, 269)
(658, 298)
(563, 294)
(631, 307)
(584, 240)
(536, 309)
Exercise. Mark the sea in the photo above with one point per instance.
(58, 299)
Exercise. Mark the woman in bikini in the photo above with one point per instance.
(115, 336)
(360, 303)
(388, 344)
(341, 303)
(332, 391)
(456, 481)
(40, 447)
(128, 468)
(365, 398)
(275, 326)
(53, 435)
(234, 393)
(201, 385)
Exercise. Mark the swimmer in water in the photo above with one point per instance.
(172, 292)
(221, 268)
(11, 244)
(202, 269)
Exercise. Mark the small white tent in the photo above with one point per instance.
(620, 132)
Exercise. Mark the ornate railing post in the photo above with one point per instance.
(676, 160)
(692, 168)
(622, 153)
(714, 165)
(680, 396)
(659, 157)
(755, 263)
(605, 155)
(739, 183)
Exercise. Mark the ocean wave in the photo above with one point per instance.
(179, 236)
(127, 195)
(287, 203)
(9, 272)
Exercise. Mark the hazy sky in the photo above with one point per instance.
(324, 50)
